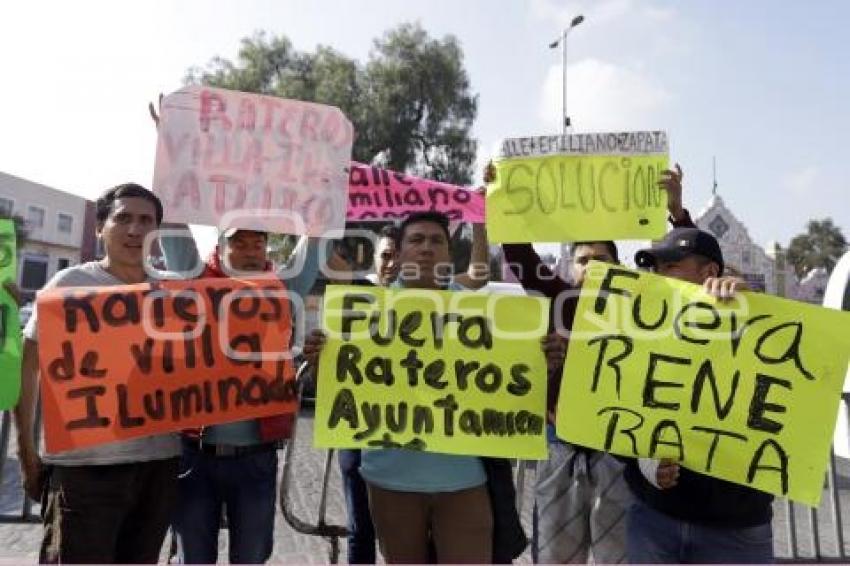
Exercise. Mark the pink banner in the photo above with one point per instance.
(381, 194)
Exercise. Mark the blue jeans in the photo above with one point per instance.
(655, 538)
(246, 485)
(361, 538)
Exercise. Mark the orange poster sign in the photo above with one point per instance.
(135, 360)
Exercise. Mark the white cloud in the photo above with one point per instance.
(614, 62)
(803, 182)
(602, 96)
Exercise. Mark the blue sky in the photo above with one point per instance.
(762, 85)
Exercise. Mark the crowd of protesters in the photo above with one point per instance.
(114, 503)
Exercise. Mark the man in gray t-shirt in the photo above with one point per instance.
(109, 503)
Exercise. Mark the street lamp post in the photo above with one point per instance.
(562, 40)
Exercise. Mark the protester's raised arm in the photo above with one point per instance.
(307, 253)
(175, 239)
(478, 272)
(533, 274)
(671, 182)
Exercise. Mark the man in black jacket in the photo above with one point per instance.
(580, 496)
(681, 516)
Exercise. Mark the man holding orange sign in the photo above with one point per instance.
(109, 503)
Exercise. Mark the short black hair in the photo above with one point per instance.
(426, 216)
(126, 190)
(389, 231)
(612, 247)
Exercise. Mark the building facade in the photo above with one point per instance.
(60, 229)
(764, 269)
(743, 257)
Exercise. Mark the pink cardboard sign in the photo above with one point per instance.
(381, 194)
(232, 159)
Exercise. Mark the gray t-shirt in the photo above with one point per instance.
(145, 449)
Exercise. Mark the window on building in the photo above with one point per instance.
(35, 216)
(7, 206)
(718, 226)
(63, 263)
(65, 223)
(33, 272)
(745, 257)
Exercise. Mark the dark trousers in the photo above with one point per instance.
(457, 524)
(108, 514)
(245, 485)
(653, 537)
(361, 538)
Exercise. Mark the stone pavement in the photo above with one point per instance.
(19, 541)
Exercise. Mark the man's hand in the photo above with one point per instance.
(153, 111)
(313, 344)
(555, 349)
(667, 474)
(671, 181)
(489, 172)
(32, 471)
(724, 288)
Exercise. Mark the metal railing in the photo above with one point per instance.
(802, 534)
(25, 514)
(816, 534)
(331, 533)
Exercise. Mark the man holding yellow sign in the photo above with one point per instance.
(583, 484)
(415, 494)
(726, 389)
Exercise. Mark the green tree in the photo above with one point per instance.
(820, 246)
(420, 106)
(410, 102)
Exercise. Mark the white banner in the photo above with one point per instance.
(233, 159)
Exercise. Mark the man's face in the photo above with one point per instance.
(424, 249)
(584, 254)
(386, 266)
(124, 230)
(691, 268)
(245, 251)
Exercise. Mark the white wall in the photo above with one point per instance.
(47, 240)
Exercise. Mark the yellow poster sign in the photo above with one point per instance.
(440, 371)
(579, 187)
(745, 390)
